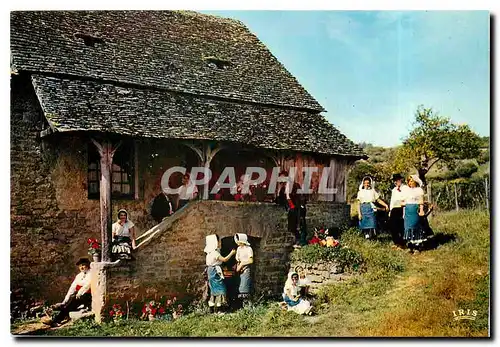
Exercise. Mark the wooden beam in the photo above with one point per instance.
(46, 132)
(106, 152)
(136, 170)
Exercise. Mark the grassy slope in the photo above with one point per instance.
(399, 295)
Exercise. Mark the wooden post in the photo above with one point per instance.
(486, 190)
(429, 192)
(106, 151)
(206, 154)
(456, 195)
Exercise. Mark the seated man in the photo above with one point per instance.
(161, 207)
(78, 293)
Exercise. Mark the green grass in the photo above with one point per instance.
(395, 294)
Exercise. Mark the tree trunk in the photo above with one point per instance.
(487, 195)
(421, 173)
(456, 196)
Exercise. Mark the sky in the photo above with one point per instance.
(371, 69)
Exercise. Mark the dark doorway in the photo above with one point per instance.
(231, 278)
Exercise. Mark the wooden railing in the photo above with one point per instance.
(164, 225)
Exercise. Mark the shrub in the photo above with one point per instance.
(344, 256)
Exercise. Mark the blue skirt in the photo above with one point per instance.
(245, 281)
(290, 302)
(413, 230)
(368, 220)
(215, 282)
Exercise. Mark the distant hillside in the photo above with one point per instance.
(465, 168)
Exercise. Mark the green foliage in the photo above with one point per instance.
(462, 170)
(435, 139)
(484, 156)
(377, 256)
(346, 258)
(471, 193)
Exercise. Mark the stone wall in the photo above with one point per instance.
(51, 215)
(173, 263)
(327, 214)
(322, 272)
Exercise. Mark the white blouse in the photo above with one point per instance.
(212, 259)
(294, 290)
(244, 253)
(367, 195)
(414, 196)
(80, 285)
(187, 192)
(398, 196)
(122, 230)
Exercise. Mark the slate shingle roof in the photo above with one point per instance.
(151, 73)
(76, 105)
(156, 48)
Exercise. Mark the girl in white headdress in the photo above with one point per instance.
(214, 261)
(291, 295)
(244, 259)
(367, 196)
(413, 210)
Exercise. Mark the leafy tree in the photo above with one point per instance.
(435, 140)
(484, 156)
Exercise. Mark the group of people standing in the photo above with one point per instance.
(214, 260)
(407, 215)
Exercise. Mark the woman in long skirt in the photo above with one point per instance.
(244, 259)
(367, 196)
(414, 234)
(214, 261)
(123, 234)
(396, 220)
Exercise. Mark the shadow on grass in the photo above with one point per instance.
(439, 239)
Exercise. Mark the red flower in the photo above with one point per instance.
(153, 311)
(314, 240)
(161, 310)
(111, 313)
(144, 309)
(95, 245)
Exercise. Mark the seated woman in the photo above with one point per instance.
(78, 294)
(214, 261)
(123, 234)
(292, 297)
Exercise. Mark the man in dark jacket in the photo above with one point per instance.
(161, 207)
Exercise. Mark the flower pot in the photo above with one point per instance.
(96, 257)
